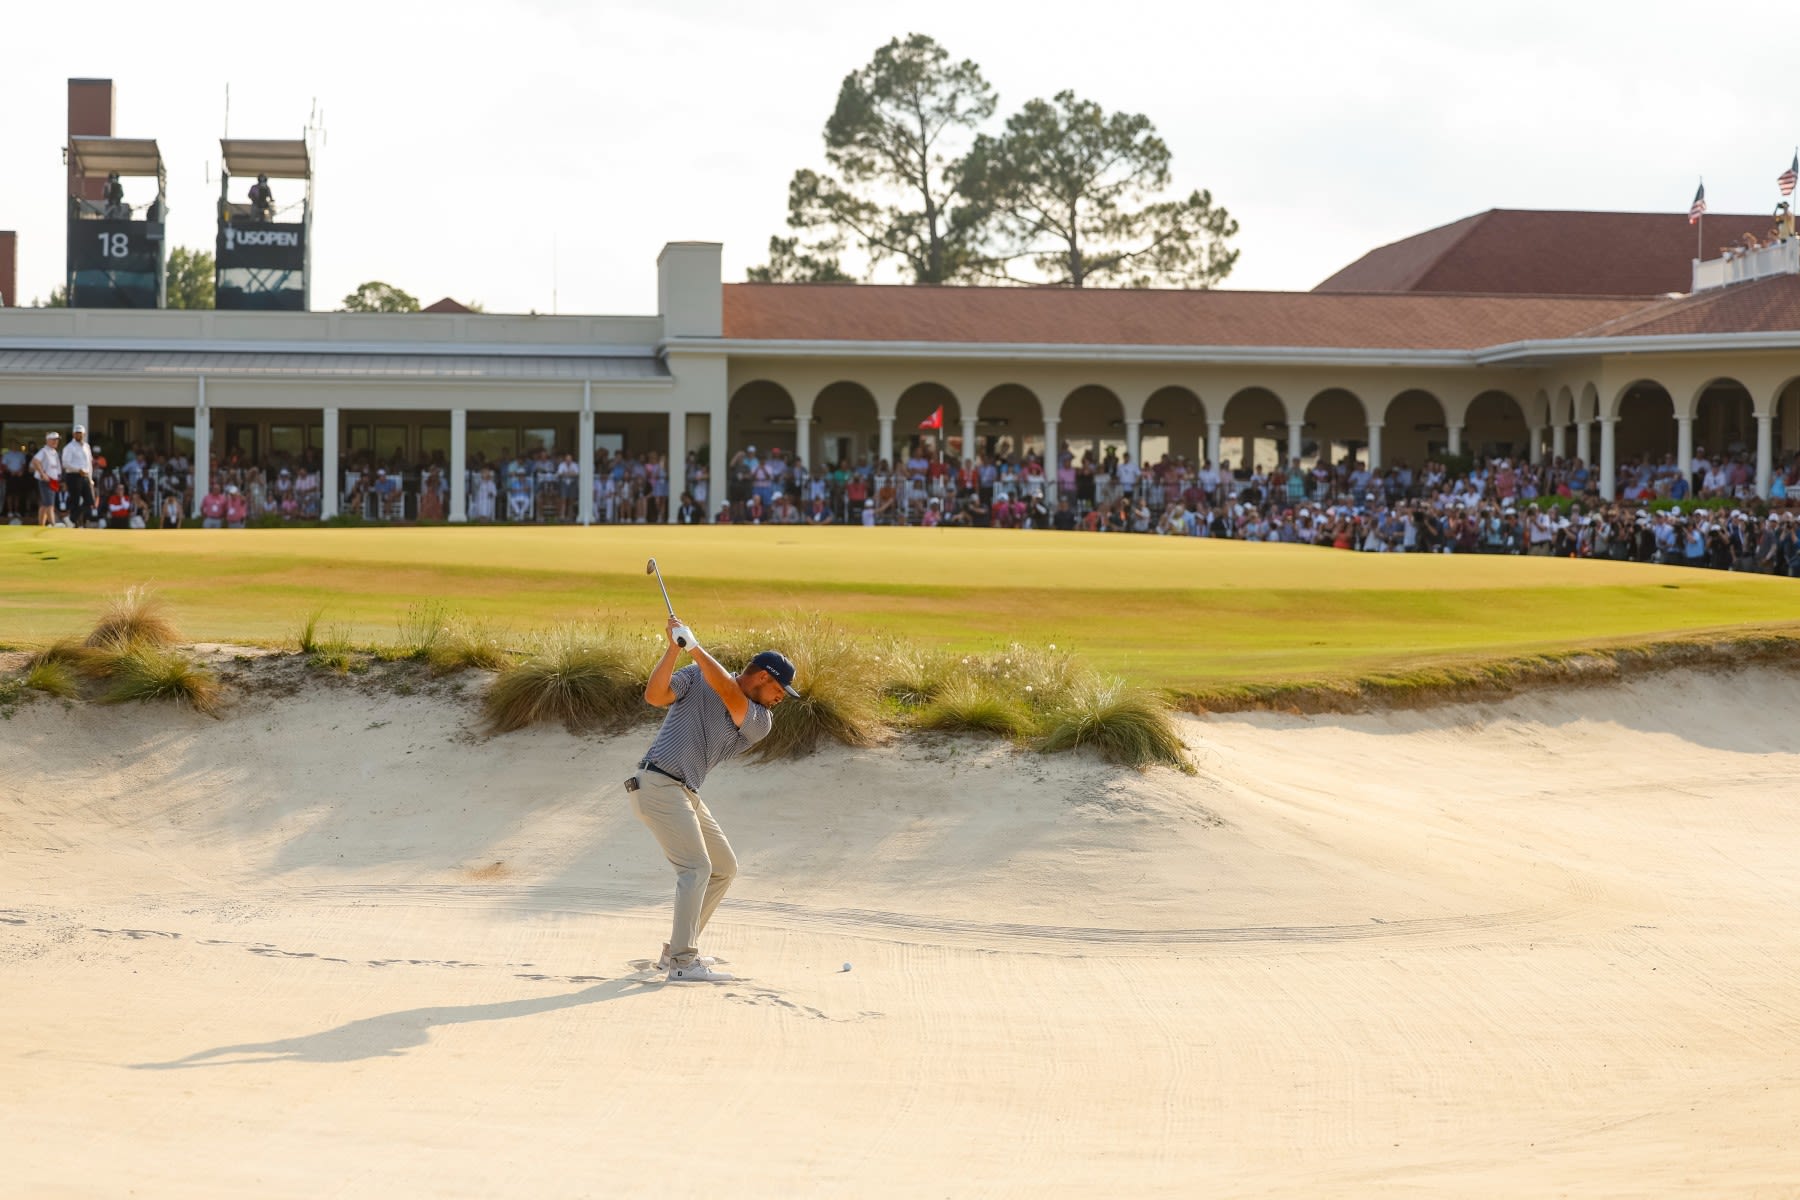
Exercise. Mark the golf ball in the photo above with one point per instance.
(846, 966)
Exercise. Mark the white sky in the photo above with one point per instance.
(606, 129)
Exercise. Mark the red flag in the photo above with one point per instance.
(935, 420)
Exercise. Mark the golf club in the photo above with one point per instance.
(684, 636)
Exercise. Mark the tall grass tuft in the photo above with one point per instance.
(1123, 725)
(579, 679)
(74, 658)
(136, 617)
(467, 644)
(308, 637)
(970, 704)
(332, 651)
(423, 627)
(145, 672)
(838, 676)
(912, 676)
(54, 677)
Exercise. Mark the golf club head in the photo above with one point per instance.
(650, 567)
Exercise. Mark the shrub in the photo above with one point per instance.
(135, 617)
(913, 677)
(1123, 725)
(143, 672)
(584, 680)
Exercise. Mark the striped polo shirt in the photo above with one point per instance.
(698, 733)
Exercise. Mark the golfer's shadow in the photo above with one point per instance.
(392, 1034)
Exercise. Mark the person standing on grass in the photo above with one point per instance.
(713, 715)
(46, 468)
(78, 477)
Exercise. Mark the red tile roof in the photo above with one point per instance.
(1144, 317)
(447, 305)
(1765, 306)
(1548, 253)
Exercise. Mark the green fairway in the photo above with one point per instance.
(1164, 611)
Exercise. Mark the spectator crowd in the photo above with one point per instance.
(1496, 505)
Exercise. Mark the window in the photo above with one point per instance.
(287, 440)
(390, 443)
(540, 439)
(493, 443)
(434, 443)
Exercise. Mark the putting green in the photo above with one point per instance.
(1172, 612)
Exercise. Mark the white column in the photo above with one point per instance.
(202, 443)
(675, 469)
(803, 440)
(886, 453)
(459, 466)
(328, 498)
(1559, 441)
(1608, 458)
(1134, 440)
(1765, 452)
(81, 419)
(1214, 429)
(718, 483)
(1052, 460)
(1296, 435)
(968, 442)
(1534, 444)
(584, 455)
(1454, 439)
(1684, 446)
(1584, 442)
(1374, 455)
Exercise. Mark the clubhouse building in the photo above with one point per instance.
(1594, 335)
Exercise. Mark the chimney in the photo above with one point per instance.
(90, 115)
(9, 269)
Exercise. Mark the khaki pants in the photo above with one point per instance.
(695, 846)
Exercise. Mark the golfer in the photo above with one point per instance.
(713, 715)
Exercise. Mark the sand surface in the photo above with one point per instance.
(334, 945)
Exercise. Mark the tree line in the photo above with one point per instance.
(1064, 194)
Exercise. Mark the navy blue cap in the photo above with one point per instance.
(778, 667)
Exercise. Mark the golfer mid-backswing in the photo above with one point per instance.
(713, 715)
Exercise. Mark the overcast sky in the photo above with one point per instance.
(560, 144)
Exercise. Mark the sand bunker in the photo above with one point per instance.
(335, 945)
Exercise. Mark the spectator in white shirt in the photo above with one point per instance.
(46, 468)
(78, 477)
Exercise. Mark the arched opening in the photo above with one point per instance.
(1337, 429)
(1007, 417)
(1646, 434)
(1093, 426)
(759, 421)
(918, 403)
(1253, 432)
(1494, 427)
(1174, 427)
(846, 426)
(1785, 453)
(1414, 430)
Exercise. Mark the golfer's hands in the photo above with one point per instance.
(677, 630)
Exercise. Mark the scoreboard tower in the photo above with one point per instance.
(264, 248)
(117, 255)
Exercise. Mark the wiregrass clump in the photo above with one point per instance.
(146, 672)
(580, 679)
(467, 644)
(967, 704)
(1123, 725)
(838, 676)
(54, 677)
(136, 617)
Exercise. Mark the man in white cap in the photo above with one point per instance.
(78, 477)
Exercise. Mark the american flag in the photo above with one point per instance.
(1786, 180)
(1698, 206)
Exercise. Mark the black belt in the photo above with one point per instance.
(647, 765)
